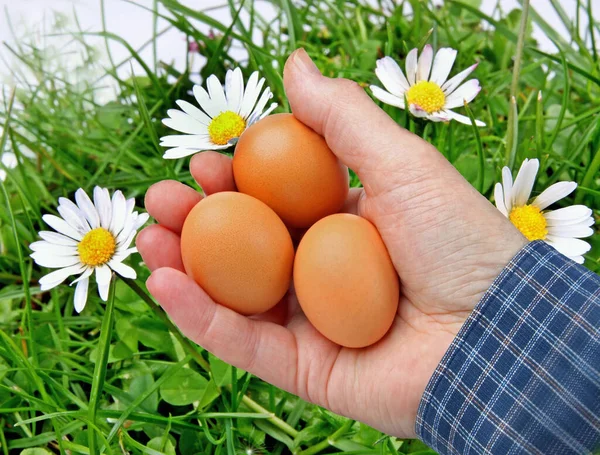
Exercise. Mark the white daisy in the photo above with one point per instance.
(90, 237)
(426, 87)
(561, 228)
(224, 116)
(9, 160)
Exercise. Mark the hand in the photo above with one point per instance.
(447, 242)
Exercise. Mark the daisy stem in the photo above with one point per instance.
(100, 366)
(197, 356)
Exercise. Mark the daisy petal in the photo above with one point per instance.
(553, 194)
(86, 273)
(442, 65)
(180, 121)
(461, 118)
(438, 117)
(387, 97)
(87, 207)
(507, 185)
(575, 214)
(234, 90)
(127, 230)
(578, 259)
(54, 249)
(81, 293)
(411, 66)
(451, 84)
(576, 230)
(103, 206)
(124, 270)
(61, 226)
(57, 239)
(253, 88)
(262, 102)
(187, 140)
(123, 245)
(140, 220)
(417, 111)
(130, 206)
(194, 112)
(424, 63)
(72, 215)
(499, 198)
(103, 276)
(569, 247)
(180, 152)
(524, 182)
(119, 211)
(270, 109)
(391, 76)
(465, 93)
(55, 278)
(205, 102)
(52, 261)
(217, 95)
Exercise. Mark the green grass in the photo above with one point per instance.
(111, 378)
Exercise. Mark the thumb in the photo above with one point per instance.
(363, 136)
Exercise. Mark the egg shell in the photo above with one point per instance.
(239, 251)
(345, 280)
(289, 167)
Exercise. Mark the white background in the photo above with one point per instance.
(28, 18)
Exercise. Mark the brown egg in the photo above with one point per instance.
(239, 251)
(345, 280)
(289, 167)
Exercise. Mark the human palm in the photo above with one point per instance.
(446, 241)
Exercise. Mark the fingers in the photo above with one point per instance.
(264, 349)
(362, 135)
(213, 172)
(159, 247)
(169, 202)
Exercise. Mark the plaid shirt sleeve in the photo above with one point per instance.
(523, 374)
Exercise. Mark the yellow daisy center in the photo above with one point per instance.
(226, 126)
(97, 247)
(427, 95)
(530, 221)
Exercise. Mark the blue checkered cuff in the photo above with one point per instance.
(523, 373)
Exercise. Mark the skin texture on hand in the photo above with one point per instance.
(447, 243)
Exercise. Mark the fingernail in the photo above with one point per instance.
(304, 62)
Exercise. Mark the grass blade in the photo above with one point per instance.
(24, 276)
(512, 134)
(145, 114)
(480, 156)
(592, 172)
(539, 126)
(563, 107)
